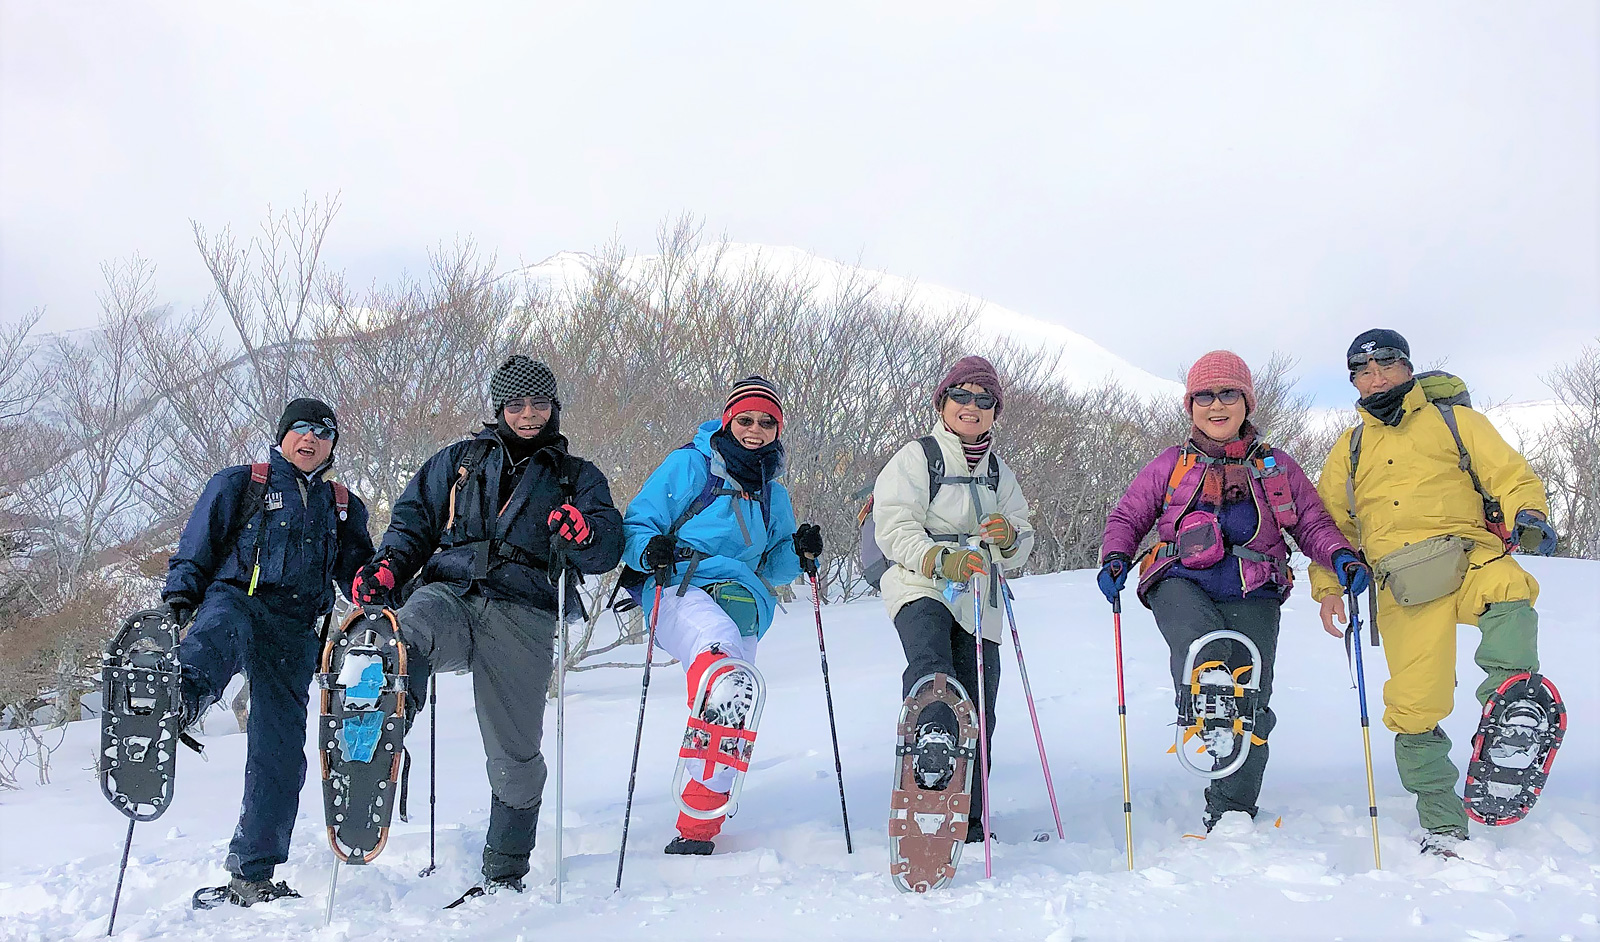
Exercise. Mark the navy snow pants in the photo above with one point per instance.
(232, 633)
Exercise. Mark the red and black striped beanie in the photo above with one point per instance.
(753, 394)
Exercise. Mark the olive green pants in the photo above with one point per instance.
(1509, 645)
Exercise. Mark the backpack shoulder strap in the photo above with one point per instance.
(1186, 460)
(1350, 479)
(992, 479)
(713, 488)
(1491, 506)
(254, 495)
(935, 459)
(473, 456)
(341, 500)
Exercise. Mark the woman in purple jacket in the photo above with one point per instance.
(1221, 504)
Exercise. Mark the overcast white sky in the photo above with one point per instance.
(1164, 179)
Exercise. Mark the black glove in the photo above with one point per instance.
(180, 609)
(808, 546)
(660, 553)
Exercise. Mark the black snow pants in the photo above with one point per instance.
(935, 642)
(510, 648)
(1184, 612)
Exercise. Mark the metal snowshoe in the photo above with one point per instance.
(1522, 726)
(140, 724)
(721, 730)
(1220, 708)
(931, 804)
(362, 726)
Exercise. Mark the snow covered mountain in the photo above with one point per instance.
(1084, 363)
(1303, 871)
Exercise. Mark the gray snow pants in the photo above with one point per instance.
(509, 647)
(1184, 612)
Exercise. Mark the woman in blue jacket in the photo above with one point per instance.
(715, 515)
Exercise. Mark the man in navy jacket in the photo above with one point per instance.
(476, 526)
(256, 567)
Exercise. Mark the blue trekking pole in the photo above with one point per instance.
(1366, 731)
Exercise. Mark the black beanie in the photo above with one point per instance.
(307, 410)
(521, 376)
(1372, 341)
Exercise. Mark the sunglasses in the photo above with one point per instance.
(1367, 365)
(962, 397)
(767, 422)
(1226, 396)
(315, 428)
(534, 404)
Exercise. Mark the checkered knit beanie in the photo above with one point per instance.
(521, 376)
(753, 394)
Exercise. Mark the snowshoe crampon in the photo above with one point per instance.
(139, 727)
(1521, 729)
(1220, 708)
(362, 728)
(721, 731)
(928, 826)
(241, 892)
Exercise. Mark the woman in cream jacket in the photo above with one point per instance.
(928, 589)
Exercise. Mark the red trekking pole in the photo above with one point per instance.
(1122, 720)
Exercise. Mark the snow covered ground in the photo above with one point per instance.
(781, 871)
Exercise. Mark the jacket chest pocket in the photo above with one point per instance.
(279, 529)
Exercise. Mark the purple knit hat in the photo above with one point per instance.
(971, 370)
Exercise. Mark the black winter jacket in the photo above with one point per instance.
(304, 549)
(496, 541)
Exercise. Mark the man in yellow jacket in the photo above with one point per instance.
(1410, 486)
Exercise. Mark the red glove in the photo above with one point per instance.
(373, 583)
(567, 522)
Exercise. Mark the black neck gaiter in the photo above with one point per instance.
(1390, 405)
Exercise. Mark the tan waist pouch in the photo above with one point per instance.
(1422, 572)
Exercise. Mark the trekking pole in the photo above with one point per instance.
(833, 730)
(1366, 731)
(1027, 693)
(121, 872)
(983, 720)
(638, 733)
(433, 770)
(558, 558)
(1122, 721)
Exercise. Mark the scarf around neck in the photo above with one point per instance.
(1388, 406)
(751, 469)
(1227, 482)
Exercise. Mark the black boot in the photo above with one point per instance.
(685, 846)
(242, 892)
(509, 841)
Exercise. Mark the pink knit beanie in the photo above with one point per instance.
(1220, 369)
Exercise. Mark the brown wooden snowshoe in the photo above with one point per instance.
(928, 825)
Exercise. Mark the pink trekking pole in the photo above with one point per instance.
(983, 721)
(1027, 692)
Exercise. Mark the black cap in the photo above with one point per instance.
(1379, 342)
(307, 410)
(521, 376)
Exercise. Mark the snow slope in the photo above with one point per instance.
(1084, 363)
(781, 871)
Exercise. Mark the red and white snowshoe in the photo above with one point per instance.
(721, 731)
(1521, 729)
